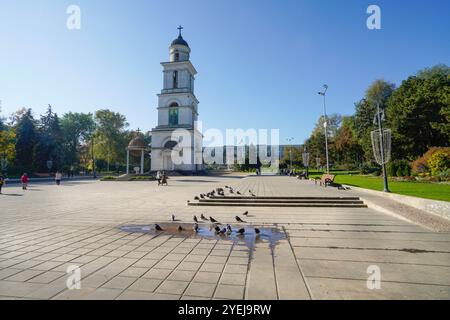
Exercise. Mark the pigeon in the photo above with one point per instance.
(173, 217)
(158, 227)
(213, 220)
(239, 219)
(196, 227)
(245, 213)
(227, 187)
(202, 196)
(223, 231)
(257, 231)
(203, 217)
(231, 191)
(196, 198)
(238, 193)
(180, 228)
(229, 230)
(217, 228)
(241, 231)
(195, 219)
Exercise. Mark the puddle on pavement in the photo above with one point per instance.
(271, 235)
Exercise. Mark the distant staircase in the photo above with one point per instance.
(310, 202)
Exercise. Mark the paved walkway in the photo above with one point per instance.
(327, 253)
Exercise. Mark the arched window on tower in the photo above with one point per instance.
(175, 79)
(177, 56)
(173, 114)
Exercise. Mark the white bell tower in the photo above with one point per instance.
(177, 113)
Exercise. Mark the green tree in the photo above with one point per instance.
(417, 112)
(110, 136)
(378, 92)
(26, 137)
(77, 129)
(50, 141)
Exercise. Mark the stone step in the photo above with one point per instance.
(280, 205)
(283, 198)
(321, 201)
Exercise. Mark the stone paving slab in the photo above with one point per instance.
(325, 256)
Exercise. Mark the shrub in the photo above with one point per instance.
(439, 162)
(420, 165)
(108, 178)
(444, 175)
(399, 168)
(368, 168)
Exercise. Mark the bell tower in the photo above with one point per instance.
(177, 109)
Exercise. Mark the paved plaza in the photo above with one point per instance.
(327, 253)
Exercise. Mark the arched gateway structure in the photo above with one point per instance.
(177, 109)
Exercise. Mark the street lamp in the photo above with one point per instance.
(325, 124)
(382, 154)
(305, 158)
(290, 151)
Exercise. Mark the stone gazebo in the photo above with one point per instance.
(136, 147)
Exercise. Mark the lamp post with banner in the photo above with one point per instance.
(305, 159)
(381, 144)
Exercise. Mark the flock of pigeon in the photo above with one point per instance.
(217, 225)
(221, 192)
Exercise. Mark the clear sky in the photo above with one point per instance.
(260, 63)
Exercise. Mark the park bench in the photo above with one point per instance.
(326, 179)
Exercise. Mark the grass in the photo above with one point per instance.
(421, 189)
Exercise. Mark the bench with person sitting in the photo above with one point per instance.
(326, 179)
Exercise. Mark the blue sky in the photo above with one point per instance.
(260, 63)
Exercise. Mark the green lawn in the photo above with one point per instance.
(428, 190)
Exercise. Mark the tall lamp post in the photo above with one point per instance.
(305, 158)
(290, 152)
(325, 124)
(380, 128)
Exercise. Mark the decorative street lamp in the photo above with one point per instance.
(381, 144)
(325, 124)
(290, 151)
(305, 158)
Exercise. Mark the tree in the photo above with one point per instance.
(7, 143)
(77, 129)
(26, 137)
(417, 113)
(50, 140)
(347, 147)
(378, 92)
(110, 136)
(315, 144)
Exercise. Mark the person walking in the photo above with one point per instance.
(158, 177)
(2, 182)
(24, 180)
(58, 177)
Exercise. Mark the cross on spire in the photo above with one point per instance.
(179, 30)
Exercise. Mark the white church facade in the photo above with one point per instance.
(176, 141)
